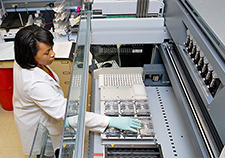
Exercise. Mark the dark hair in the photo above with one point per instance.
(26, 47)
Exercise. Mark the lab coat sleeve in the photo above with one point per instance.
(48, 98)
(93, 122)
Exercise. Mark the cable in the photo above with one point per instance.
(49, 13)
(118, 50)
(26, 7)
(21, 21)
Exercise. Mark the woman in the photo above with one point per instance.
(38, 97)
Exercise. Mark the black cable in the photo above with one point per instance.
(50, 15)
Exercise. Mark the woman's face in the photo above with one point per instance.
(45, 54)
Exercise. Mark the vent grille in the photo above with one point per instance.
(76, 81)
(136, 152)
(114, 80)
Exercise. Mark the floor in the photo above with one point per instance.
(10, 146)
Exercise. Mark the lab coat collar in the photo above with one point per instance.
(42, 73)
(47, 76)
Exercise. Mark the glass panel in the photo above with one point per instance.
(42, 145)
(73, 138)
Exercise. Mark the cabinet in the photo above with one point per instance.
(6, 64)
(63, 68)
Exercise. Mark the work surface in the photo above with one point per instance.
(169, 125)
(61, 47)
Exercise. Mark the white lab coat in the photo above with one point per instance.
(38, 98)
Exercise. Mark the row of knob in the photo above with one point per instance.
(202, 64)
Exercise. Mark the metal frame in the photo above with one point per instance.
(179, 17)
(194, 119)
(128, 31)
(79, 147)
(81, 56)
